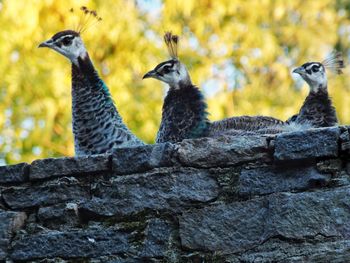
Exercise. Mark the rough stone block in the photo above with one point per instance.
(309, 214)
(224, 228)
(17, 173)
(70, 245)
(60, 216)
(4, 243)
(239, 226)
(166, 189)
(222, 151)
(53, 193)
(59, 167)
(142, 158)
(10, 222)
(272, 179)
(313, 143)
(157, 236)
(276, 250)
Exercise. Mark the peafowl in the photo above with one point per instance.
(317, 109)
(97, 125)
(184, 113)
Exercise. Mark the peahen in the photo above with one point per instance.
(97, 125)
(184, 113)
(317, 109)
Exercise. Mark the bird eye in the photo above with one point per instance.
(315, 68)
(166, 69)
(67, 41)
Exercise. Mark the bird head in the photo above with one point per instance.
(172, 72)
(314, 73)
(68, 43)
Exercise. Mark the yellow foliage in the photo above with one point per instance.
(240, 52)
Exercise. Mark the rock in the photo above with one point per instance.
(272, 179)
(348, 168)
(276, 250)
(10, 222)
(2, 204)
(224, 228)
(313, 143)
(60, 216)
(164, 189)
(142, 158)
(17, 173)
(72, 244)
(332, 166)
(345, 139)
(237, 227)
(222, 199)
(228, 180)
(309, 214)
(59, 167)
(157, 236)
(222, 151)
(4, 243)
(53, 193)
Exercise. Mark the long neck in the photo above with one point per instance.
(184, 115)
(97, 125)
(317, 110)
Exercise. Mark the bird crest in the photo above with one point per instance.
(87, 19)
(171, 41)
(334, 62)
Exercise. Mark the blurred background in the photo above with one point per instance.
(240, 53)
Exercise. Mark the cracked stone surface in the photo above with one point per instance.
(17, 173)
(311, 143)
(229, 228)
(276, 198)
(160, 190)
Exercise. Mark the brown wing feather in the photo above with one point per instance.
(245, 123)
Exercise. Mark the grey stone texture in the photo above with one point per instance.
(17, 173)
(313, 143)
(276, 198)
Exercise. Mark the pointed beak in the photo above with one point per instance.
(150, 74)
(47, 43)
(300, 71)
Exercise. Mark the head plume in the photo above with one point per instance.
(334, 62)
(87, 19)
(171, 42)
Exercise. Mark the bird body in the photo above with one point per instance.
(97, 125)
(184, 113)
(317, 109)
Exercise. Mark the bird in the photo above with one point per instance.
(184, 112)
(317, 110)
(97, 125)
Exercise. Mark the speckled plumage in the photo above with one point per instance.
(184, 115)
(97, 125)
(244, 123)
(317, 111)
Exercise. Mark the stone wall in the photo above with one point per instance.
(283, 198)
